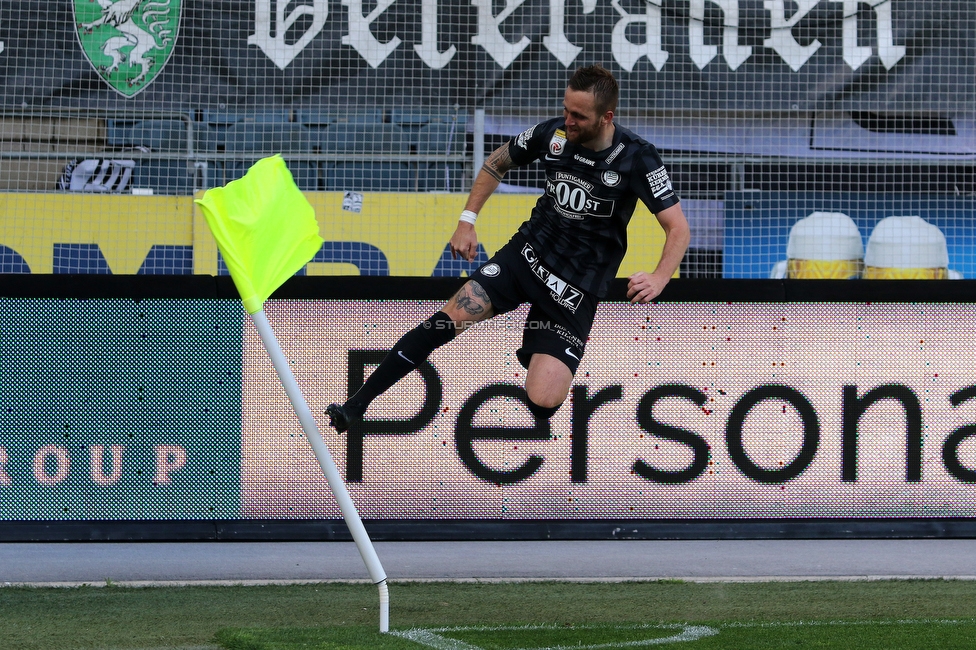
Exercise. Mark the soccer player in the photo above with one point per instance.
(563, 258)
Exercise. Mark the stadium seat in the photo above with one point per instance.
(256, 140)
(159, 135)
(318, 118)
(362, 139)
(206, 141)
(168, 173)
(407, 117)
(210, 135)
(410, 117)
(165, 175)
(315, 120)
(443, 138)
(117, 132)
(214, 124)
(439, 133)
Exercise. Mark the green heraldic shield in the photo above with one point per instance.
(128, 41)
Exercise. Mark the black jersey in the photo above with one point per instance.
(579, 225)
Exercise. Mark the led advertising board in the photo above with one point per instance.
(169, 410)
(679, 410)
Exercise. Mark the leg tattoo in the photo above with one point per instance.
(472, 299)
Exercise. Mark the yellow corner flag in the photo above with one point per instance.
(265, 229)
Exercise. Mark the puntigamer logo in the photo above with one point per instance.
(128, 41)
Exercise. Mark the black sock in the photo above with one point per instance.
(410, 351)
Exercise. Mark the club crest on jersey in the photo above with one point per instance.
(610, 178)
(558, 142)
(491, 270)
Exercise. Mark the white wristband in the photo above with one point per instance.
(468, 216)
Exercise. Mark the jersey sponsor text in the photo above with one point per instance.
(659, 182)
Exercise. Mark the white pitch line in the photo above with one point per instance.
(688, 633)
(431, 638)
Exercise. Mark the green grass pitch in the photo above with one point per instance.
(889, 614)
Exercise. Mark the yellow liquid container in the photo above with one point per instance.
(906, 248)
(824, 245)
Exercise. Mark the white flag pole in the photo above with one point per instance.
(346, 505)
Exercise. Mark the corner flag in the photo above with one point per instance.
(265, 229)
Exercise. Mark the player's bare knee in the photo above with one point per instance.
(542, 411)
(548, 381)
(545, 397)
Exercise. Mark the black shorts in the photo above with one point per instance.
(560, 317)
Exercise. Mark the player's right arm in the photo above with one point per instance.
(465, 239)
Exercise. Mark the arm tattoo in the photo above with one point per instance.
(491, 172)
(472, 299)
(498, 163)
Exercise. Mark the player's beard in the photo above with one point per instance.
(579, 136)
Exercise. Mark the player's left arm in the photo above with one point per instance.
(644, 287)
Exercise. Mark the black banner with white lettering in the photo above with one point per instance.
(736, 55)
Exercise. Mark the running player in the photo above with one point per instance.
(563, 258)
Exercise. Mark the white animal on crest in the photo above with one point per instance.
(119, 15)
